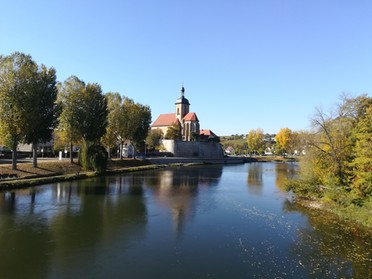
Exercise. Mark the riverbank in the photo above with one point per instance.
(50, 170)
(360, 215)
(56, 171)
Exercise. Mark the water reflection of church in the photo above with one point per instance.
(177, 189)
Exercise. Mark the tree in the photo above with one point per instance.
(332, 146)
(41, 109)
(337, 166)
(140, 119)
(300, 140)
(18, 73)
(362, 163)
(110, 139)
(283, 140)
(255, 140)
(83, 118)
(73, 111)
(93, 124)
(174, 132)
(134, 123)
(92, 128)
(153, 139)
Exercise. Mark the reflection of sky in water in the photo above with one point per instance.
(194, 222)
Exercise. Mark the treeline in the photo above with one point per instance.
(256, 142)
(35, 107)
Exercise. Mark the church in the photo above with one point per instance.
(186, 120)
(194, 143)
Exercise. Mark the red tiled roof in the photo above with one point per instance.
(191, 116)
(207, 133)
(167, 119)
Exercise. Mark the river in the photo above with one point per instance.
(211, 221)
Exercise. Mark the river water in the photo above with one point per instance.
(188, 222)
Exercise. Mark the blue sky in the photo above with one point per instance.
(245, 64)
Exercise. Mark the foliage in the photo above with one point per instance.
(134, 122)
(15, 70)
(283, 141)
(237, 143)
(110, 139)
(362, 163)
(94, 106)
(338, 165)
(174, 132)
(93, 157)
(84, 112)
(255, 141)
(70, 100)
(141, 117)
(41, 109)
(153, 139)
(27, 108)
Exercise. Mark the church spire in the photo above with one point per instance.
(182, 91)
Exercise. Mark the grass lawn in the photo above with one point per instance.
(56, 167)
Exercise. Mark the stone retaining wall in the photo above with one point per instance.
(194, 149)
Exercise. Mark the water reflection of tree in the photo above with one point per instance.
(331, 248)
(176, 189)
(254, 179)
(284, 171)
(71, 225)
(23, 249)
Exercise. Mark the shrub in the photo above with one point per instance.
(93, 157)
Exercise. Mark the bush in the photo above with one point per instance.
(93, 157)
(304, 188)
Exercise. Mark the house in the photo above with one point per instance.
(186, 120)
(208, 135)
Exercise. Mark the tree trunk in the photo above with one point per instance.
(108, 153)
(14, 157)
(71, 150)
(34, 155)
(121, 151)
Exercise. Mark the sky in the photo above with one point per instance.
(245, 64)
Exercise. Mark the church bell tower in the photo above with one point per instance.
(182, 105)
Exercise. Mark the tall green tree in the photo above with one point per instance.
(134, 123)
(15, 70)
(110, 139)
(142, 118)
(28, 110)
(93, 123)
(41, 109)
(70, 98)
